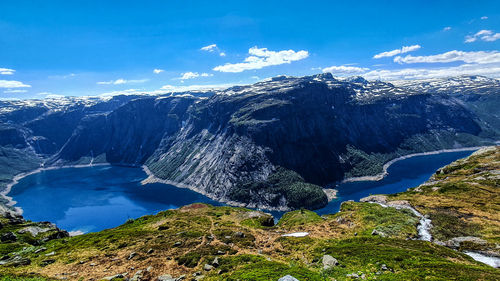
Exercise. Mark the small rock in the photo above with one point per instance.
(180, 278)
(18, 261)
(329, 262)
(47, 262)
(50, 254)
(381, 199)
(177, 244)
(379, 233)
(384, 267)
(8, 237)
(40, 250)
(165, 277)
(456, 242)
(207, 267)
(114, 277)
(222, 271)
(220, 252)
(137, 276)
(288, 278)
(150, 251)
(215, 262)
(239, 234)
(227, 237)
(132, 255)
(197, 273)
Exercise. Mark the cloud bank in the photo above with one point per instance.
(122, 81)
(6, 71)
(480, 57)
(403, 50)
(484, 35)
(342, 69)
(262, 57)
(13, 84)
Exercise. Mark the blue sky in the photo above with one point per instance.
(80, 48)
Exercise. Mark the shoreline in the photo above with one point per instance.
(386, 166)
(15, 180)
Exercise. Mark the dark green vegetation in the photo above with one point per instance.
(225, 243)
(282, 184)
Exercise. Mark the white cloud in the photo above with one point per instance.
(157, 71)
(209, 48)
(9, 91)
(189, 75)
(12, 84)
(213, 48)
(262, 57)
(447, 28)
(491, 70)
(122, 81)
(6, 71)
(485, 35)
(404, 49)
(65, 76)
(342, 69)
(484, 18)
(171, 88)
(480, 57)
(192, 75)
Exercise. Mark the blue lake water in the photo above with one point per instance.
(95, 198)
(402, 175)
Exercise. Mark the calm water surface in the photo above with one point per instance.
(95, 198)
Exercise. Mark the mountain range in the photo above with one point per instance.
(274, 144)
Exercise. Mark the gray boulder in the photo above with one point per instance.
(329, 262)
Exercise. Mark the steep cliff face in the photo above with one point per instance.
(127, 135)
(244, 134)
